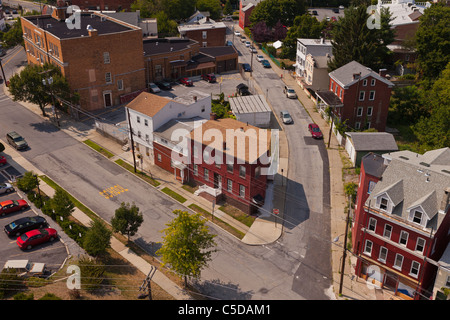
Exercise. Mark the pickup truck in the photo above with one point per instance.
(25, 268)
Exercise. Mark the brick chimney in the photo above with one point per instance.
(59, 13)
(382, 73)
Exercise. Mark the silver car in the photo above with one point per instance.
(286, 117)
(6, 188)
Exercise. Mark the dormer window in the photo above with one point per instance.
(383, 203)
(417, 217)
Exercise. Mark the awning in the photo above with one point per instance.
(200, 66)
(330, 98)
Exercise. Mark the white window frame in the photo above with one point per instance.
(372, 95)
(106, 58)
(395, 262)
(120, 84)
(357, 125)
(359, 111)
(369, 111)
(403, 232)
(387, 233)
(372, 185)
(363, 94)
(364, 83)
(385, 254)
(368, 244)
(159, 157)
(413, 264)
(146, 122)
(108, 77)
(241, 191)
(138, 119)
(242, 171)
(205, 174)
(372, 82)
(230, 185)
(423, 245)
(195, 169)
(204, 34)
(414, 217)
(372, 221)
(381, 203)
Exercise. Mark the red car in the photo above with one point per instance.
(9, 206)
(315, 131)
(35, 237)
(186, 82)
(210, 77)
(2, 161)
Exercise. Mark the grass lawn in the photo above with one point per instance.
(174, 195)
(238, 214)
(99, 149)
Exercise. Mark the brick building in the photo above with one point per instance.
(402, 220)
(205, 31)
(103, 5)
(229, 168)
(101, 60)
(359, 95)
(245, 10)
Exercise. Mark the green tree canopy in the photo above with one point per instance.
(272, 11)
(213, 6)
(97, 239)
(187, 244)
(127, 219)
(61, 204)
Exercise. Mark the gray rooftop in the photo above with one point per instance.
(166, 131)
(373, 164)
(345, 74)
(373, 141)
(249, 104)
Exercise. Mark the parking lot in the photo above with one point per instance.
(52, 254)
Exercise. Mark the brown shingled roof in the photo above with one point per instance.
(148, 103)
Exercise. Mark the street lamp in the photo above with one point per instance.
(49, 81)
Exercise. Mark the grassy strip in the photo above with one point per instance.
(217, 221)
(174, 195)
(98, 148)
(140, 174)
(238, 215)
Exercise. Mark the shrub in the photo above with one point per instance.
(93, 272)
(23, 296)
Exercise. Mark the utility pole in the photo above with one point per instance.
(3, 72)
(147, 284)
(132, 141)
(345, 247)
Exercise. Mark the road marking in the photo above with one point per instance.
(5, 63)
(112, 191)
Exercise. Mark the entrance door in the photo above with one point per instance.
(391, 280)
(217, 181)
(107, 97)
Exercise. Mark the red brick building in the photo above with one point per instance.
(230, 171)
(245, 10)
(402, 220)
(206, 32)
(101, 58)
(359, 95)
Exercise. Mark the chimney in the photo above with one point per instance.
(382, 73)
(212, 116)
(445, 199)
(322, 41)
(59, 13)
(356, 76)
(92, 32)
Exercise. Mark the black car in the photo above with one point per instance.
(242, 90)
(163, 85)
(246, 67)
(23, 225)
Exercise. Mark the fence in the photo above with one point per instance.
(118, 132)
(275, 60)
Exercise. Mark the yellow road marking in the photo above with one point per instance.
(112, 191)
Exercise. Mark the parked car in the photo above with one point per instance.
(286, 117)
(153, 88)
(265, 63)
(314, 12)
(22, 225)
(2, 161)
(259, 58)
(248, 43)
(228, 18)
(315, 131)
(243, 39)
(187, 82)
(253, 49)
(290, 93)
(37, 236)
(163, 85)
(242, 90)
(229, 43)
(25, 268)
(237, 33)
(14, 12)
(246, 67)
(16, 140)
(9, 206)
(6, 187)
(210, 77)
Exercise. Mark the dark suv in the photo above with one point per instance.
(210, 77)
(16, 140)
(242, 90)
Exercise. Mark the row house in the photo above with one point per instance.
(401, 224)
(314, 47)
(359, 95)
(245, 10)
(232, 166)
(205, 31)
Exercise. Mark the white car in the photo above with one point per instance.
(6, 187)
(290, 93)
(237, 33)
(248, 43)
(153, 88)
(259, 58)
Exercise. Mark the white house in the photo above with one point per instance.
(148, 112)
(314, 47)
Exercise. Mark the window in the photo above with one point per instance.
(403, 238)
(364, 82)
(242, 171)
(230, 185)
(120, 85)
(387, 231)
(158, 71)
(372, 95)
(138, 119)
(204, 34)
(159, 157)
(420, 244)
(357, 125)
(398, 261)
(230, 167)
(195, 151)
(359, 112)
(108, 78)
(368, 247)
(372, 224)
(367, 126)
(417, 218)
(241, 191)
(362, 95)
(195, 170)
(146, 122)
(206, 174)
(383, 204)
(340, 94)
(204, 44)
(139, 134)
(447, 284)
(147, 137)
(383, 254)
(106, 59)
(369, 111)
(415, 267)
(372, 83)
(372, 185)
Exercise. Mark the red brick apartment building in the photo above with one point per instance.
(102, 60)
(206, 32)
(245, 10)
(359, 95)
(402, 220)
(239, 179)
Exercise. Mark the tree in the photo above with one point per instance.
(127, 219)
(261, 33)
(271, 11)
(432, 42)
(407, 105)
(228, 8)
(214, 7)
(147, 8)
(61, 204)
(178, 9)
(279, 31)
(166, 27)
(187, 244)
(27, 182)
(97, 239)
(353, 40)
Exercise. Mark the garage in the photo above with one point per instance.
(252, 109)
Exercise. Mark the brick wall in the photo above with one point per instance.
(214, 37)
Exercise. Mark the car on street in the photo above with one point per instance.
(229, 43)
(227, 18)
(246, 67)
(23, 225)
(248, 43)
(315, 131)
(153, 88)
(289, 92)
(253, 49)
(242, 90)
(314, 12)
(16, 140)
(187, 82)
(210, 77)
(2, 161)
(237, 33)
(35, 237)
(6, 187)
(265, 63)
(163, 85)
(259, 58)
(9, 206)
(286, 117)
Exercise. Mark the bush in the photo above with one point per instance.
(9, 282)
(23, 296)
(50, 296)
(28, 182)
(93, 272)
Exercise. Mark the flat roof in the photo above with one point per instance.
(249, 104)
(158, 46)
(61, 30)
